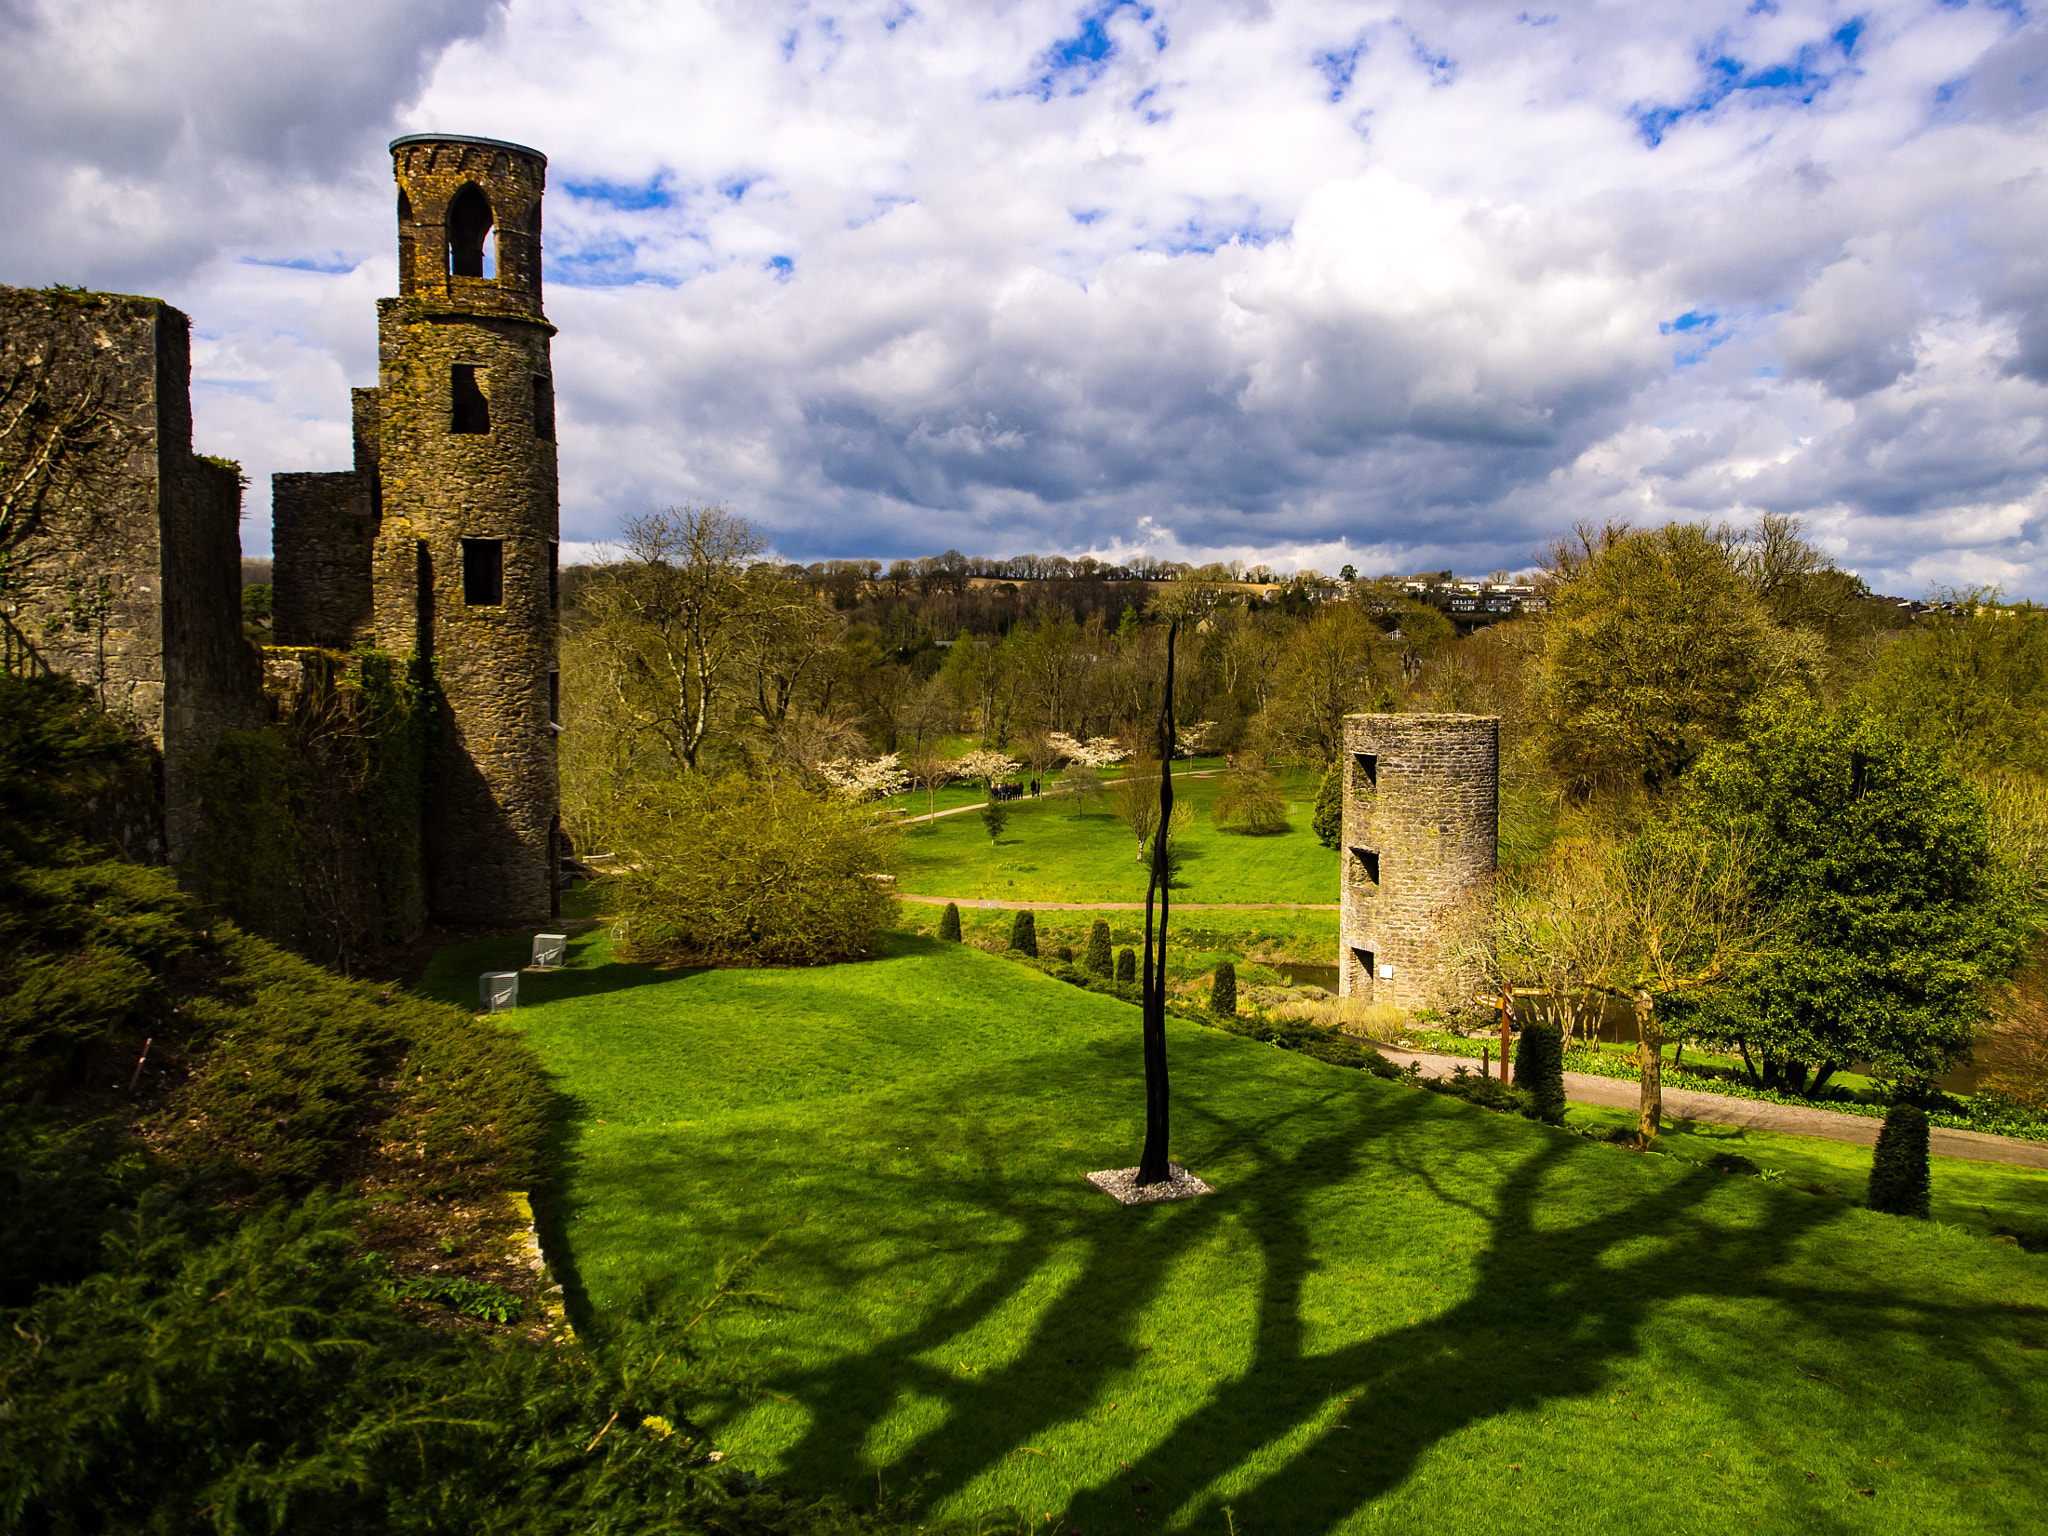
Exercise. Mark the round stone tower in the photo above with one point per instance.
(1421, 826)
(462, 437)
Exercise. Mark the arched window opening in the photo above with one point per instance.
(404, 207)
(469, 222)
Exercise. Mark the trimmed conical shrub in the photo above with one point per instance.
(1024, 932)
(1099, 961)
(1327, 820)
(949, 924)
(1539, 1069)
(1223, 990)
(1899, 1180)
(1127, 964)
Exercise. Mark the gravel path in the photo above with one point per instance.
(1722, 1109)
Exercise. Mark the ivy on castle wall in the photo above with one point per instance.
(312, 823)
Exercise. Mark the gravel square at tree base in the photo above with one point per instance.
(1121, 1184)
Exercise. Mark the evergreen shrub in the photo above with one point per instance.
(1539, 1069)
(1327, 820)
(1024, 932)
(1223, 990)
(1127, 965)
(949, 922)
(1099, 960)
(1066, 954)
(1899, 1177)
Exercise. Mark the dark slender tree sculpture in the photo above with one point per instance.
(1152, 1165)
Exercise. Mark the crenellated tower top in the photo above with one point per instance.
(469, 222)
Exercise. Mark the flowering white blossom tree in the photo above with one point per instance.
(987, 764)
(1193, 740)
(1097, 752)
(860, 781)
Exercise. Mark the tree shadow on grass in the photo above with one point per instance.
(1553, 1305)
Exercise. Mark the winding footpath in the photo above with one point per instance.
(1722, 1109)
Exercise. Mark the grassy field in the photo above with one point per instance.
(1984, 1197)
(1047, 853)
(1196, 941)
(912, 802)
(1397, 1313)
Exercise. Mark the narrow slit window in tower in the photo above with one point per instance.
(469, 409)
(554, 577)
(483, 572)
(1368, 862)
(469, 222)
(543, 407)
(1368, 770)
(554, 698)
(404, 207)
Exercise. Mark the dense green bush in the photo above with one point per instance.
(1223, 990)
(1099, 960)
(1539, 1069)
(1024, 932)
(1486, 1092)
(1314, 1040)
(1127, 964)
(1899, 1175)
(1327, 820)
(949, 922)
(751, 871)
(261, 1381)
(61, 757)
(300, 1073)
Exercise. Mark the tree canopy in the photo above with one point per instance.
(1892, 916)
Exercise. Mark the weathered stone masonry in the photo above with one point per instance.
(1421, 826)
(122, 549)
(443, 538)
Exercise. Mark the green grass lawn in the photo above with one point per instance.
(1398, 1312)
(912, 802)
(1047, 853)
(1196, 941)
(1981, 1196)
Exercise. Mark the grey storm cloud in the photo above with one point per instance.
(1312, 283)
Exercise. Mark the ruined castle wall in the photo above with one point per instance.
(122, 549)
(213, 678)
(79, 388)
(322, 533)
(1421, 820)
(324, 536)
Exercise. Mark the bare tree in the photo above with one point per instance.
(671, 617)
(1683, 920)
(1135, 798)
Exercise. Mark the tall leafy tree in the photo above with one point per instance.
(1654, 644)
(1893, 915)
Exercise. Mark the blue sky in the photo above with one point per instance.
(1401, 287)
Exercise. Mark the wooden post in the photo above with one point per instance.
(1507, 1012)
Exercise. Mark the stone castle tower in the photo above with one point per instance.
(443, 541)
(1421, 827)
